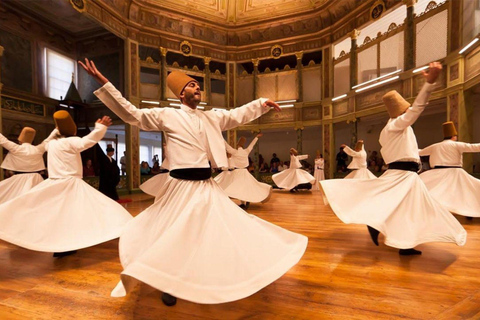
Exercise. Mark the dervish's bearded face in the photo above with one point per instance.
(191, 95)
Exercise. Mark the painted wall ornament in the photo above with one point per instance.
(78, 5)
(186, 48)
(276, 51)
(377, 9)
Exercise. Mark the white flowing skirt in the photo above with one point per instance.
(243, 186)
(319, 175)
(454, 188)
(290, 178)
(362, 173)
(198, 245)
(224, 178)
(61, 215)
(18, 185)
(398, 205)
(155, 186)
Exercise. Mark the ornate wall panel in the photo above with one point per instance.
(340, 108)
(244, 90)
(18, 53)
(287, 115)
(472, 64)
(312, 86)
(373, 97)
(431, 39)
(312, 113)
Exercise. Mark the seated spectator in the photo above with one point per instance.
(263, 167)
(281, 166)
(88, 169)
(251, 167)
(286, 164)
(144, 168)
(274, 159)
(260, 160)
(274, 167)
(156, 168)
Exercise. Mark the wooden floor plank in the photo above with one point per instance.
(341, 276)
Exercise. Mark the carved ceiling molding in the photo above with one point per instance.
(310, 31)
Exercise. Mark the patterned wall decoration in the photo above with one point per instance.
(326, 72)
(340, 108)
(373, 98)
(135, 153)
(287, 115)
(454, 72)
(312, 113)
(472, 64)
(453, 103)
(19, 105)
(133, 69)
(230, 86)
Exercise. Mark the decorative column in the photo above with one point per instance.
(163, 74)
(299, 139)
(207, 83)
(455, 25)
(132, 133)
(256, 152)
(409, 36)
(231, 84)
(327, 72)
(328, 150)
(299, 75)
(255, 62)
(1, 119)
(353, 58)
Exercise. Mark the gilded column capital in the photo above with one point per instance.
(256, 62)
(163, 51)
(409, 3)
(207, 60)
(299, 55)
(354, 34)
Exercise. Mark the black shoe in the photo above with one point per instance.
(373, 234)
(242, 206)
(247, 204)
(168, 299)
(470, 218)
(292, 190)
(408, 252)
(63, 254)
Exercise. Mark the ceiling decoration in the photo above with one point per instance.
(236, 12)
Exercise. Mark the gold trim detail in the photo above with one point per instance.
(276, 51)
(79, 5)
(377, 10)
(186, 48)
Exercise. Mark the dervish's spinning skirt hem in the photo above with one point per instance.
(206, 250)
(362, 173)
(61, 215)
(290, 178)
(398, 205)
(241, 185)
(18, 185)
(455, 189)
(155, 186)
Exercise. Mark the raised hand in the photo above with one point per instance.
(106, 121)
(92, 70)
(433, 71)
(271, 104)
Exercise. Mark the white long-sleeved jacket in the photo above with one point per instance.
(240, 156)
(359, 158)
(448, 152)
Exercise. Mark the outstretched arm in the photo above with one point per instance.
(41, 147)
(468, 147)
(230, 119)
(145, 119)
(250, 146)
(425, 151)
(302, 157)
(96, 135)
(412, 114)
(229, 148)
(9, 145)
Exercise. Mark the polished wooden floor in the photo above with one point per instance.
(341, 276)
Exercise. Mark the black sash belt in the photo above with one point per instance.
(406, 166)
(192, 174)
(446, 167)
(19, 172)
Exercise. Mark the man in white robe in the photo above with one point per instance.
(194, 242)
(447, 181)
(358, 165)
(397, 204)
(25, 160)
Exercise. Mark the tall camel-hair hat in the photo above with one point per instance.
(449, 129)
(358, 145)
(294, 151)
(395, 103)
(27, 135)
(65, 124)
(177, 81)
